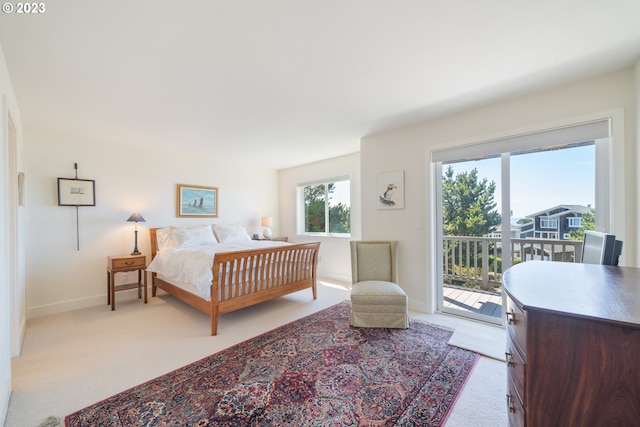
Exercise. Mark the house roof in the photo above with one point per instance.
(562, 210)
(287, 82)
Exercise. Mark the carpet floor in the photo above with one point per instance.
(316, 371)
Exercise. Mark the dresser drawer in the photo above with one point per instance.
(517, 325)
(516, 412)
(516, 369)
(117, 263)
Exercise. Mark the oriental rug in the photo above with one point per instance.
(315, 371)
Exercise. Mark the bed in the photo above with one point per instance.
(193, 264)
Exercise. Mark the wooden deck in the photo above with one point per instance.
(475, 301)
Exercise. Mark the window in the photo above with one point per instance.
(546, 235)
(575, 222)
(325, 207)
(547, 222)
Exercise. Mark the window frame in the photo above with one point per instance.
(574, 222)
(548, 222)
(301, 217)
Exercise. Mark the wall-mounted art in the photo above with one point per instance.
(76, 192)
(197, 201)
(390, 190)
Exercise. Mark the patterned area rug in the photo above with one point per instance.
(316, 371)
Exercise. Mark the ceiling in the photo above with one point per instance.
(287, 82)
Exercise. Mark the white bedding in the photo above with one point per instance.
(191, 267)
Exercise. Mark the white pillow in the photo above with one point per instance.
(231, 233)
(194, 236)
(164, 239)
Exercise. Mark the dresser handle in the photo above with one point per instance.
(511, 317)
(509, 357)
(510, 403)
(129, 262)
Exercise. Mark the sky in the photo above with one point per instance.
(542, 179)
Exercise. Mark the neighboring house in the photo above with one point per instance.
(518, 231)
(550, 224)
(555, 223)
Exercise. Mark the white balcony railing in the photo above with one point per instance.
(477, 261)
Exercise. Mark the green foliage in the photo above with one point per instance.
(588, 223)
(468, 204)
(340, 218)
(314, 198)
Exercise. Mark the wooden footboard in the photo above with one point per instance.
(244, 278)
(248, 277)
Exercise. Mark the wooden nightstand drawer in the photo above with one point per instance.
(129, 261)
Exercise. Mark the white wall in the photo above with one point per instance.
(127, 179)
(12, 286)
(335, 261)
(408, 149)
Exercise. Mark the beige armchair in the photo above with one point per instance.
(376, 299)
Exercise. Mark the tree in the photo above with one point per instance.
(468, 207)
(588, 223)
(314, 199)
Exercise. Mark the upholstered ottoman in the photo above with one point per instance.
(378, 304)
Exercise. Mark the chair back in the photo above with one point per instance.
(374, 260)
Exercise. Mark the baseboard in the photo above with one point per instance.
(78, 304)
(336, 277)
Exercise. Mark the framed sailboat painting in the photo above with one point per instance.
(197, 201)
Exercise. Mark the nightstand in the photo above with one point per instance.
(123, 264)
(275, 239)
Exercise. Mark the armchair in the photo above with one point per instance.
(377, 301)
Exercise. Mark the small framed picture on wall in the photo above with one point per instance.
(76, 192)
(197, 201)
(390, 190)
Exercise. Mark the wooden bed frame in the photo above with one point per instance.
(248, 277)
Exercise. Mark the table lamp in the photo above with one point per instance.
(267, 223)
(136, 217)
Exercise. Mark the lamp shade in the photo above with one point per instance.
(267, 221)
(136, 217)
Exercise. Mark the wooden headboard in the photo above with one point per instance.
(154, 242)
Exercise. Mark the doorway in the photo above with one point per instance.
(509, 203)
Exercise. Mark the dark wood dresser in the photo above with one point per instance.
(573, 344)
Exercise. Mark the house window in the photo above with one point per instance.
(575, 222)
(546, 235)
(547, 222)
(325, 208)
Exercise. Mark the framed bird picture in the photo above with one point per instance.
(390, 190)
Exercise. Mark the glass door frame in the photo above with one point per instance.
(505, 239)
(604, 200)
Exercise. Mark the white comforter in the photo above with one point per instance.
(192, 267)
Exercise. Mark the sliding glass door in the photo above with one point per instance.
(512, 201)
(471, 222)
